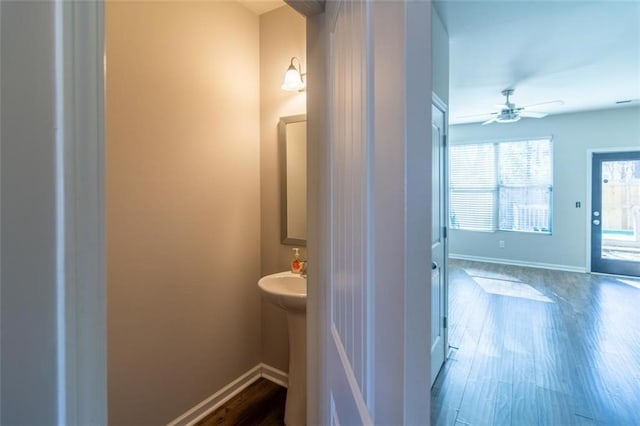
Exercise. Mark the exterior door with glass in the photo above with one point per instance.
(615, 213)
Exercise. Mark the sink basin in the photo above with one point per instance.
(286, 290)
(289, 291)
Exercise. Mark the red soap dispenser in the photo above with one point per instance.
(296, 263)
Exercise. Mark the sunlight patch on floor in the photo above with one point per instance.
(475, 272)
(511, 289)
(632, 283)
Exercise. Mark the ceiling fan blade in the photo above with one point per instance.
(491, 120)
(533, 114)
(486, 114)
(556, 102)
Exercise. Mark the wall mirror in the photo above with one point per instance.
(292, 146)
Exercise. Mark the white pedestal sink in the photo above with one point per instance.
(289, 291)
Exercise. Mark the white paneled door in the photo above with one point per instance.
(371, 211)
(348, 339)
(438, 236)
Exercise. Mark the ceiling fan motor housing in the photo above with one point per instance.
(508, 116)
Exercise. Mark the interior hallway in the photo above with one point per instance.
(539, 347)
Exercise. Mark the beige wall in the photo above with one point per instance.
(182, 204)
(282, 35)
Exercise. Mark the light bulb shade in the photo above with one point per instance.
(292, 80)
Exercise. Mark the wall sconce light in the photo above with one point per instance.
(293, 78)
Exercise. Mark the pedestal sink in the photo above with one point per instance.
(289, 291)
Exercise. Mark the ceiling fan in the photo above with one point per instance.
(509, 113)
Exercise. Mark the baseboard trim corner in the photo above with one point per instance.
(216, 400)
(278, 377)
(539, 265)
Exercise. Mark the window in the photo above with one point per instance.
(504, 186)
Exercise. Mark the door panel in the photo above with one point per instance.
(615, 213)
(347, 338)
(438, 247)
(375, 281)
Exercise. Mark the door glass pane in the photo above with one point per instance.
(621, 210)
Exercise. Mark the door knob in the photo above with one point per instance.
(434, 266)
(596, 222)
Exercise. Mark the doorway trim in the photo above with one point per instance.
(81, 246)
(588, 209)
(80, 222)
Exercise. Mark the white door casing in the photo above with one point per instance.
(80, 71)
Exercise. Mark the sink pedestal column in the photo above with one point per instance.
(295, 413)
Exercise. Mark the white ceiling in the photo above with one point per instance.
(261, 6)
(586, 53)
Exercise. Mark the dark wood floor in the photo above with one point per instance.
(539, 347)
(260, 404)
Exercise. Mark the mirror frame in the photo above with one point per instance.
(282, 148)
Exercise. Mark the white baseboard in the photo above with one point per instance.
(216, 400)
(539, 265)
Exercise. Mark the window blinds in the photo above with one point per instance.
(501, 186)
(473, 189)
